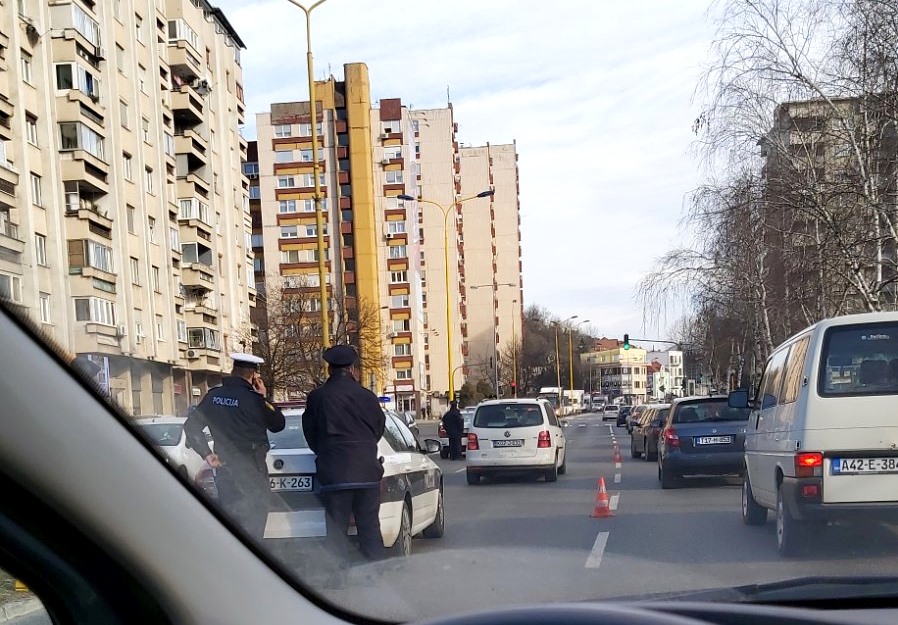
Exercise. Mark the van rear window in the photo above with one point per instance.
(860, 360)
(508, 416)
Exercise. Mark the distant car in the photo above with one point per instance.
(610, 412)
(623, 413)
(635, 413)
(702, 436)
(167, 433)
(467, 414)
(411, 488)
(644, 438)
(515, 435)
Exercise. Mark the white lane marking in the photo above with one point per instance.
(615, 499)
(581, 425)
(617, 465)
(617, 478)
(460, 470)
(595, 556)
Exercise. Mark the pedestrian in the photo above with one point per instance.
(239, 418)
(343, 423)
(454, 424)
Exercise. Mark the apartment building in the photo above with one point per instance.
(621, 373)
(490, 259)
(664, 373)
(124, 220)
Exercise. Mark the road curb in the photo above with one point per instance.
(16, 609)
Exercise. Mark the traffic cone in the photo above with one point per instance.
(617, 457)
(603, 503)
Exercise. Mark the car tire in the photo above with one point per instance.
(444, 452)
(551, 475)
(402, 548)
(438, 527)
(650, 457)
(753, 513)
(473, 478)
(633, 452)
(667, 479)
(788, 530)
(562, 470)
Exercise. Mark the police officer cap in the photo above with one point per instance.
(340, 355)
(246, 361)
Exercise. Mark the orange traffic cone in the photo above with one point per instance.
(617, 457)
(603, 503)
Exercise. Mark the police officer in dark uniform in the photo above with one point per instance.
(343, 422)
(239, 418)
(454, 424)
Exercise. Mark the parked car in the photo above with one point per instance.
(622, 415)
(635, 413)
(467, 414)
(822, 435)
(515, 435)
(610, 412)
(702, 436)
(412, 486)
(644, 438)
(167, 433)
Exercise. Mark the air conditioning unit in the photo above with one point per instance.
(384, 135)
(191, 354)
(389, 235)
(386, 161)
(123, 330)
(391, 335)
(100, 53)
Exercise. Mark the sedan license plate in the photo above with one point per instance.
(855, 466)
(299, 483)
(514, 442)
(713, 440)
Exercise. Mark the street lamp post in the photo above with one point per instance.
(316, 173)
(558, 364)
(514, 350)
(446, 210)
(570, 347)
(494, 287)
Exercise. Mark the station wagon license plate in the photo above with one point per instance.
(296, 483)
(512, 442)
(713, 440)
(854, 466)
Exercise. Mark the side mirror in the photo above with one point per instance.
(657, 423)
(738, 399)
(432, 446)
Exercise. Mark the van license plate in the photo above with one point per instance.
(713, 440)
(513, 442)
(855, 466)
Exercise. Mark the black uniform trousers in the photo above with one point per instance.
(454, 446)
(244, 493)
(364, 505)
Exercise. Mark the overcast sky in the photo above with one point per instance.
(598, 96)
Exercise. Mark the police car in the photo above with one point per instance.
(167, 434)
(411, 488)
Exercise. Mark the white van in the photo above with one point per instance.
(821, 441)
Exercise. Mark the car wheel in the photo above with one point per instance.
(438, 527)
(650, 456)
(403, 545)
(562, 470)
(668, 480)
(473, 478)
(552, 474)
(787, 528)
(752, 512)
(633, 452)
(444, 452)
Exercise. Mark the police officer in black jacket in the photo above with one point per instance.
(343, 422)
(239, 419)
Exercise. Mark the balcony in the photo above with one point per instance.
(10, 242)
(184, 61)
(9, 180)
(193, 184)
(189, 142)
(198, 275)
(187, 106)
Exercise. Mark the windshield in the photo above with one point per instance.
(493, 206)
(164, 434)
(860, 360)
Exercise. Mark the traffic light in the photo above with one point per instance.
(514, 389)
(626, 341)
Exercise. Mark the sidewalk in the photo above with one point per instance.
(17, 608)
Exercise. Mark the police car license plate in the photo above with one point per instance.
(291, 483)
(855, 466)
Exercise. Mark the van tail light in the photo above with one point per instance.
(809, 464)
(545, 440)
(473, 445)
(441, 432)
(671, 438)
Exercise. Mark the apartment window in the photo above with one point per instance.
(148, 180)
(98, 255)
(396, 227)
(131, 216)
(145, 129)
(256, 240)
(393, 203)
(174, 239)
(40, 249)
(282, 130)
(286, 182)
(289, 232)
(255, 193)
(85, 24)
(283, 156)
(192, 208)
(308, 180)
(393, 176)
(251, 170)
(135, 271)
(287, 206)
(393, 151)
(403, 374)
(151, 229)
(308, 206)
(10, 287)
(160, 328)
(169, 142)
(27, 67)
(202, 338)
(77, 136)
(180, 30)
(74, 76)
(402, 349)
(120, 58)
(398, 277)
(182, 331)
(37, 196)
(138, 28)
(44, 307)
(257, 265)
(398, 251)
(117, 9)
(305, 156)
(31, 129)
(401, 325)
(142, 78)
(155, 276)
(127, 169)
(124, 114)
(312, 230)
(305, 130)
(301, 256)
(95, 309)
(399, 301)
